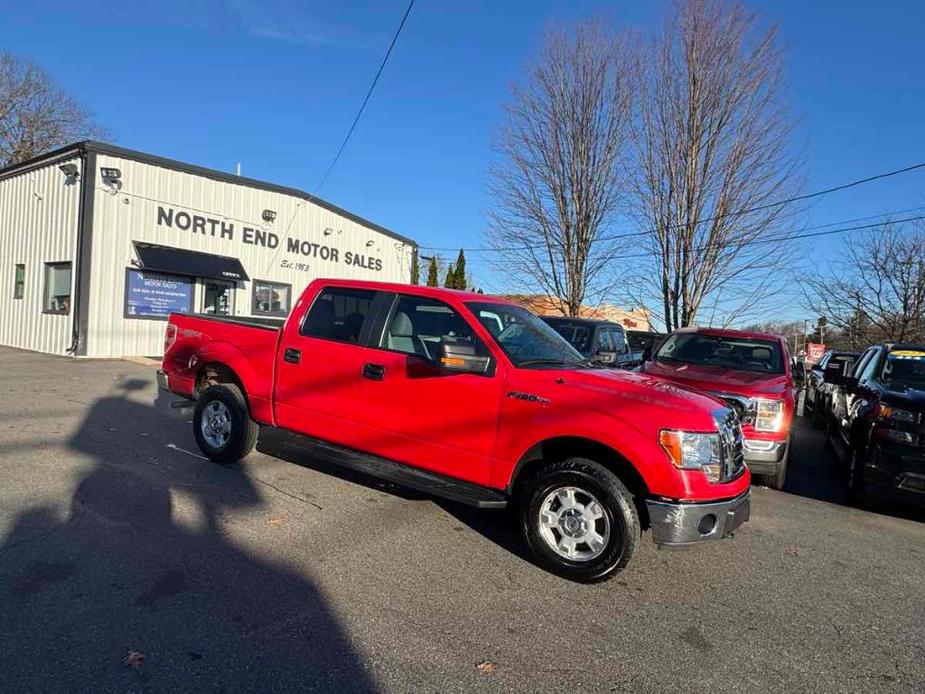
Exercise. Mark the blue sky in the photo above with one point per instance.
(275, 85)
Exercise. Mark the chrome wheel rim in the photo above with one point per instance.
(216, 424)
(573, 524)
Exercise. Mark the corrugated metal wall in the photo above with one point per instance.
(38, 224)
(131, 214)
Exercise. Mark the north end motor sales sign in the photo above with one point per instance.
(219, 228)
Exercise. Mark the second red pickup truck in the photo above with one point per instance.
(475, 399)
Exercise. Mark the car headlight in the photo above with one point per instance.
(693, 451)
(769, 414)
(897, 415)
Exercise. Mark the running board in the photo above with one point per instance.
(404, 475)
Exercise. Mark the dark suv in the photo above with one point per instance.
(876, 421)
(602, 342)
(818, 392)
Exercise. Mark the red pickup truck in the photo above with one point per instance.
(474, 399)
(751, 371)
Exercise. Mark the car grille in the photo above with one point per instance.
(730, 439)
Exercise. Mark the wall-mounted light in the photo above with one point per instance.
(71, 173)
(269, 215)
(328, 231)
(370, 243)
(112, 178)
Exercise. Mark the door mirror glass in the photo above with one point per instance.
(461, 356)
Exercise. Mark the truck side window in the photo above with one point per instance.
(870, 366)
(338, 314)
(861, 363)
(619, 341)
(417, 326)
(602, 342)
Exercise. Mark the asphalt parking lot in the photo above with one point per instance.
(285, 574)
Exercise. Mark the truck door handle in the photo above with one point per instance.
(292, 355)
(374, 372)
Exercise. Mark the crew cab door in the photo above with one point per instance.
(414, 411)
(319, 363)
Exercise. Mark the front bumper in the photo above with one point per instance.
(675, 523)
(764, 457)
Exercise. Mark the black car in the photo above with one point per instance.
(603, 342)
(643, 341)
(818, 392)
(876, 421)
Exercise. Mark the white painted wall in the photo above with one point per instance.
(131, 214)
(38, 224)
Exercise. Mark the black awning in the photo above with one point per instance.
(182, 262)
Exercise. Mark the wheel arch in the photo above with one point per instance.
(559, 448)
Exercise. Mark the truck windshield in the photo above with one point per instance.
(526, 339)
(905, 368)
(727, 352)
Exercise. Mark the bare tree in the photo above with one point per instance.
(711, 138)
(557, 185)
(35, 113)
(877, 291)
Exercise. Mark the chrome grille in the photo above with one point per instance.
(730, 439)
(743, 407)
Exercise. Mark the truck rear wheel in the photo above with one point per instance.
(222, 424)
(579, 520)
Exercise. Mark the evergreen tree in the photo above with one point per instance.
(415, 267)
(460, 273)
(450, 281)
(432, 280)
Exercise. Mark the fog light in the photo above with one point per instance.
(707, 524)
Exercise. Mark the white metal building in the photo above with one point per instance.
(99, 243)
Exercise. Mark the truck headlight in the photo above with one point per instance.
(693, 451)
(897, 415)
(769, 414)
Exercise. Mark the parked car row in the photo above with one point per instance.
(872, 406)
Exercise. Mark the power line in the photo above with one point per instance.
(884, 219)
(737, 213)
(368, 94)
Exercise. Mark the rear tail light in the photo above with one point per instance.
(170, 336)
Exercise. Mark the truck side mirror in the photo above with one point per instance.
(459, 356)
(833, 374)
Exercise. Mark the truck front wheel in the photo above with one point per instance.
(222, 424)
(579, 520)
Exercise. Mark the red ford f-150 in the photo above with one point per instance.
(475, 399)
(751, 372)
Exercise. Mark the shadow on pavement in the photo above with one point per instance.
(119, 574)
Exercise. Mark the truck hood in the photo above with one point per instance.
(907, 398)
(720, 379)
(679, 407)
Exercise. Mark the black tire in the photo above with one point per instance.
(242, 434)
(855, 476)
(776, 481)
(616, 501)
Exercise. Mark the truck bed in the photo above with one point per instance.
(244, 344)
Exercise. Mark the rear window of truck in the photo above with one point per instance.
(338, 314)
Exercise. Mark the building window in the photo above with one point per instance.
(271, 298)
(155, 295)
(57, 288)
(217, 298)
(19, 286)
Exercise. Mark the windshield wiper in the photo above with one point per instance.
(553, 362)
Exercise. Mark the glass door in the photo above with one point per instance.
(217, 297)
